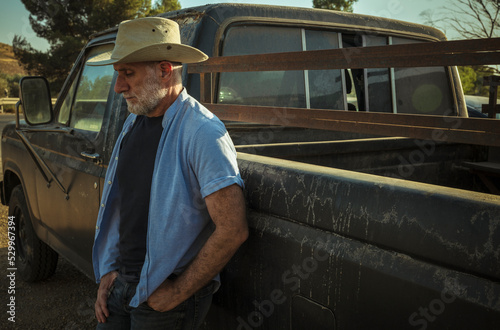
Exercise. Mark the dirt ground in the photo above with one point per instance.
(64, 301)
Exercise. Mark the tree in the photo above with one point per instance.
(342, 5)
(11, 83)
(164, 6)
(67, 26)
(472, 78)
(469, 18)
(468, 76)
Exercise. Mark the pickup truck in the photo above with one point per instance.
(348, 230)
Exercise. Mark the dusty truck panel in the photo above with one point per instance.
(348, 231)
(362, 285)
(376, 210)
(367, 254)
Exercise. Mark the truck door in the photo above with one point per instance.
(76, 159)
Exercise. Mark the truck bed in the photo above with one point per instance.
(437, 163)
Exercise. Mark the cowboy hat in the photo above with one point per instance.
(148, 39)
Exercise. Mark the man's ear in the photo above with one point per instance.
(166, 69)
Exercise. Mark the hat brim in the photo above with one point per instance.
(158, 52)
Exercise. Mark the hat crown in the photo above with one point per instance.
(149, 39)
(143, 32)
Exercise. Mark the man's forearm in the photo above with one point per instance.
(228, 214)
(208, 263)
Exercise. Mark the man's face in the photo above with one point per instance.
(140, 85)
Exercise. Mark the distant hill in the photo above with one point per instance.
(8, 63)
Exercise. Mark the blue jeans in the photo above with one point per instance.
(188, 315)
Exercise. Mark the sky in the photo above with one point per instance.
(14, 18)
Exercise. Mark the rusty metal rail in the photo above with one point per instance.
(436, 128)
(445, 53)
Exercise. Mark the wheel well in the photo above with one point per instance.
(10, 180)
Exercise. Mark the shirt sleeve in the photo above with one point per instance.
(213, 159)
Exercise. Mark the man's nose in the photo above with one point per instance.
(120, 85)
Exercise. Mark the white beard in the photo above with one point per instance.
(148, 97)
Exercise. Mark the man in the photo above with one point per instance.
(172, 211)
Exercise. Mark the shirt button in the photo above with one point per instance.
(109, 182)
(102, 205)
(116, 158)
(97, 227)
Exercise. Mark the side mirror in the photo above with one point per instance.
(35, 100)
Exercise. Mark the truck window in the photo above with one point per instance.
(370, 89)
(271, 88)
(84, 105)
(300, 89)
(65, 110)
(379, 83)
(422, 90)
(323, 87)
(405, 90)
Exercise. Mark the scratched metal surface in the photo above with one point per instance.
(449, 226)
(358, 244)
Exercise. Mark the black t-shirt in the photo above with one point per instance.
(134, 175)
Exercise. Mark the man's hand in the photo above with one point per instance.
(101, 308)
(165, 297)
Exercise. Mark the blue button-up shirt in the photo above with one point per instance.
(195, 158)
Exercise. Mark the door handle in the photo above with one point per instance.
(95, 157)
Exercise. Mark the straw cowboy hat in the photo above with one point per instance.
(149, 39)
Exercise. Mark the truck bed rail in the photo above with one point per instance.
(436, 128)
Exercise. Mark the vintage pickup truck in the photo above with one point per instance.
(349, 230)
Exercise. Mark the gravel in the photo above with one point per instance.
(64, 301)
